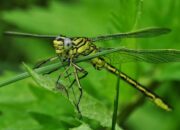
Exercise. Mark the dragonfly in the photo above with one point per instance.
(68, 49)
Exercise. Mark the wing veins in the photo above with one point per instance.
(150, 56)
(144, 33)
(11, 33)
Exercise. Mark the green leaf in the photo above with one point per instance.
(13, 117)
(82, 127)
(98, 111)
(49, 122)
(95, 111)
(42, 81)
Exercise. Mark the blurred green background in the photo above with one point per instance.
(23, 106)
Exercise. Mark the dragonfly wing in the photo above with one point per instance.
(20, 34)
(124, 55)
(144, 33)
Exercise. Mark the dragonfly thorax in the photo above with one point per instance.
(73, 47)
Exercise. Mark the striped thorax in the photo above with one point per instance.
(73, 47)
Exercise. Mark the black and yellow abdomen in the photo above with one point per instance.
(99, 63)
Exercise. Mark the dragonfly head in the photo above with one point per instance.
(62, 44)
(72, 47)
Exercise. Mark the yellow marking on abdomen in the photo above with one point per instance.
(155, 98)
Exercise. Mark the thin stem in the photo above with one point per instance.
(53, 66)
(132, 106)
(116, 102)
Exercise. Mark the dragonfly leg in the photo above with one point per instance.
(58, 85)
(67, 75)
(51, 71)
(41, 63)
(77, 79)
(85, 73)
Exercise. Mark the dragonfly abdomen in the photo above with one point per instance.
(101, 63)
(156, 99)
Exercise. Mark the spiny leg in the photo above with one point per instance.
(85, 73)
(64, 66)
(59, 77)
(67, 74)
(51, 71)
(44, 62)
(79, 87)
(41, 63)
(58, 86)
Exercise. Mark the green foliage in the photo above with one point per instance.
(23, 105)
(98, 113)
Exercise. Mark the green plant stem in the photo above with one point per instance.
(116, 102)
(53, 66)
(132, 106)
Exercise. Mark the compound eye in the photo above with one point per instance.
(59, 38)
(67, 43)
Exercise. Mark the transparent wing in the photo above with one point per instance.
(144, 33)
(124, 55)
(20, 34)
